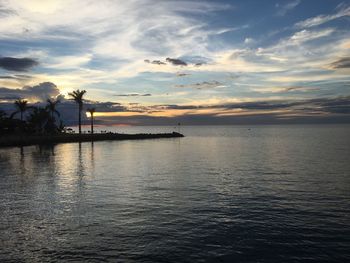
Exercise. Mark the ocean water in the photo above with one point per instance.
(221, 194)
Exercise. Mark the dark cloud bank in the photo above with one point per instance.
(39, 92)
(321, 110)
(341, 63)
(17, 64)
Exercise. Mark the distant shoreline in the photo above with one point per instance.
(27, 140)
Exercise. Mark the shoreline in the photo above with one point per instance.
(27, 140)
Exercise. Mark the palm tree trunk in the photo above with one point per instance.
(21, 115)
(80, 109)
(92, 124)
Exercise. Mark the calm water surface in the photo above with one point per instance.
(221, 194)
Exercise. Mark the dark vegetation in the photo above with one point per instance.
(39, 120)
(29, 125)
(32, 120)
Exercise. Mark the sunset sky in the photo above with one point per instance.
(195, 62)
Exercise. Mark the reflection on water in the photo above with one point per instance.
(267, 194)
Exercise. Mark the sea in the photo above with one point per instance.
(276, 193)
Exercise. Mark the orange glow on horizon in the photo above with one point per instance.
(182, 112)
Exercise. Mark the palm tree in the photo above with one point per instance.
(77, 96)
(92, 111)
(51, 108)
(2, 114)
(21, 106)
(38, 119)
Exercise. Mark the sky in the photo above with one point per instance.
(160, 62)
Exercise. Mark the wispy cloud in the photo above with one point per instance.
(69, 62)
(133, 95)
(182, 74)
(322, 19)
(307, 35)
(203, 85)
(287, 89)
(283, 9)
(16, 77)
(155, 62)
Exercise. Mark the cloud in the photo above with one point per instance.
(265, 90)
(300, 88)
(261, 105)
(322, 105)
(16, 77)
(151, 29)
(341, 63)
(82, 50)
(182, 74)
(68, 110)
(69, 62)
(156, 28)
(283, 9)
(105, 106)
(307, 35)
(133, 95)
(248, 40)
(307, 49)
(155, 62)
(7, 77)
(5, 11)
(336, 105)
(17, 64)
(176, 61)
(203, 85)
(194, 61)
(321, 19)
(319, 110)
(210, 119)
(39, 92)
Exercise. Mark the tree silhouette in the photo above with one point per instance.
(38, 119)
(2, 115)
(51, 107)
(2, 121)
(8, 125)
(92, 111)
(21, 106)
(77, 96)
